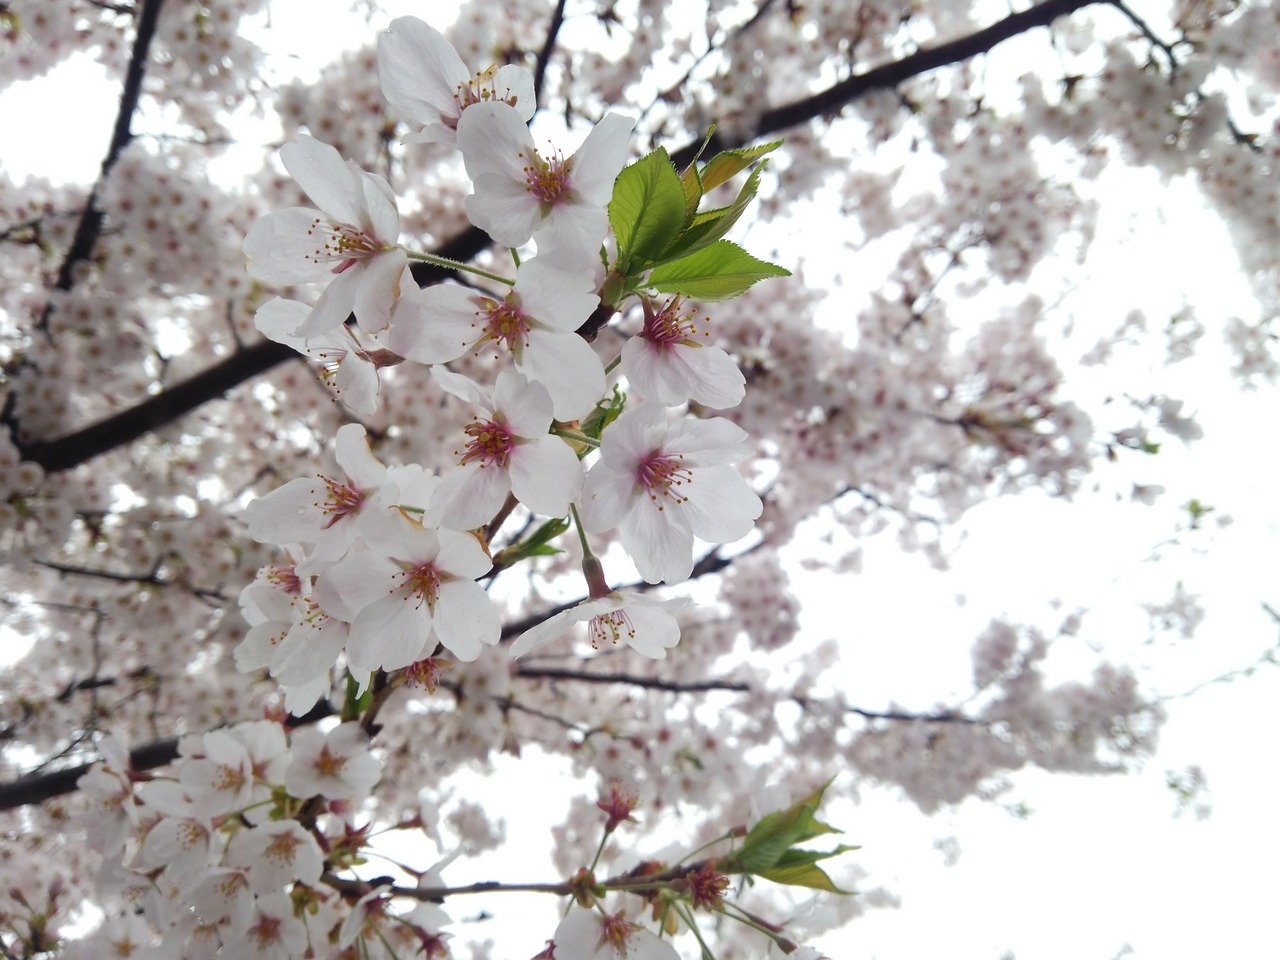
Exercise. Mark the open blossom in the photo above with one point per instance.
(509, 451)
(669, 360)
(274, 854)
(663, 484)
(414, 588)
(349, 242)
(319, 510)
(336, 765)
(590, 935)
(536, 322)
(643, 623)
(520, 194)
(425, 81)
(348, 363)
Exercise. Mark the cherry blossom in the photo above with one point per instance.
(275, 854)
(592, 935)
(418, 589)
(642, 622)
(337, 765)
(519, 194)
(509, 451)
(350, 242)
(327, 513)
(426, 82)
(663, 484)
(536, 322)
(348, 363)
(669, 361)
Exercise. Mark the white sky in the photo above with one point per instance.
(1101, 865)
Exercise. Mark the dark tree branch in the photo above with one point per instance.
(169, 405)
(90, 225)
(889, 75)
(544, 55)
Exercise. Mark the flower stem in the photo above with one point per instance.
(458, 265)
(575, 435)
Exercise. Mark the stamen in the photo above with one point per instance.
(340, 501)
(547, 180)
(661, 475)
(342, 243)
(670, 325)
(491, 443)
(610, 626)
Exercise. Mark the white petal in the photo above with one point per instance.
(658, 542)
(434, 324)
(545, 475)
(334, 305)
(549, 630)
(331, 183)
(566, 365)
(280, 250)
(351, 450)
(503, 208)
(389, 633)
(721, 507)
(468, 497)
(378, 289)
(601, 158)
(607, 495)
(420, 73)
(465, 619)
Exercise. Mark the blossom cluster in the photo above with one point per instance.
(385, 559)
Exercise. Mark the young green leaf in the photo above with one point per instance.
(717, 272)
(796, 868)
(647, 210)
(729, 163)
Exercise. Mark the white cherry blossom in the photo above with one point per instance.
(644, 623)
(509, 451)
(351, 241)
(274, 854)
(336, 765)
(663, 484)
(425, 81)
(415, 588)
(327, 513)
(591, 935)
(536, 322)
(520, 194)
(669, 360)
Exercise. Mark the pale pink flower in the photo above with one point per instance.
(663, 484)
(591, 935)
(219, 780)
(669, 360)
(425, 81)
(350, 242)
(224, 898)
(348, 363)
(643, 623)
(536, 322)
(276, 853)
(336, 765)
(110, 808)
(519, 194)
(509, 451)
(325, 512)
(274, 933)
(414, 588)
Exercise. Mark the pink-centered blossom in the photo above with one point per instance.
(350, 242)
(643, 623)
(425, 81)
(663, 484)
(671, 361)
(592, 935)
(323, 511)
(536, 323)
(336, 765)
(521, 194)
(413, 588)
(508, 451)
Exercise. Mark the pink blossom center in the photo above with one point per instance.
(423, 582)
(662, 476)
(266, 931)
(491, 443)
(547, 180)
(611, 627)
(670, 325)
(340, 501)
(342, 244)
(504, 323)
(285, 580)
(330, 764)
(616, 932)
(282, 848)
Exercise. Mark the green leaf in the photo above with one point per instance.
(729, 163)
(766, 844)
(647, 210)
(717, 272)
(710, 225)
(605, 412)
(796, 868)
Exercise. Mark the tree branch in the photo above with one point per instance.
(90, 225)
